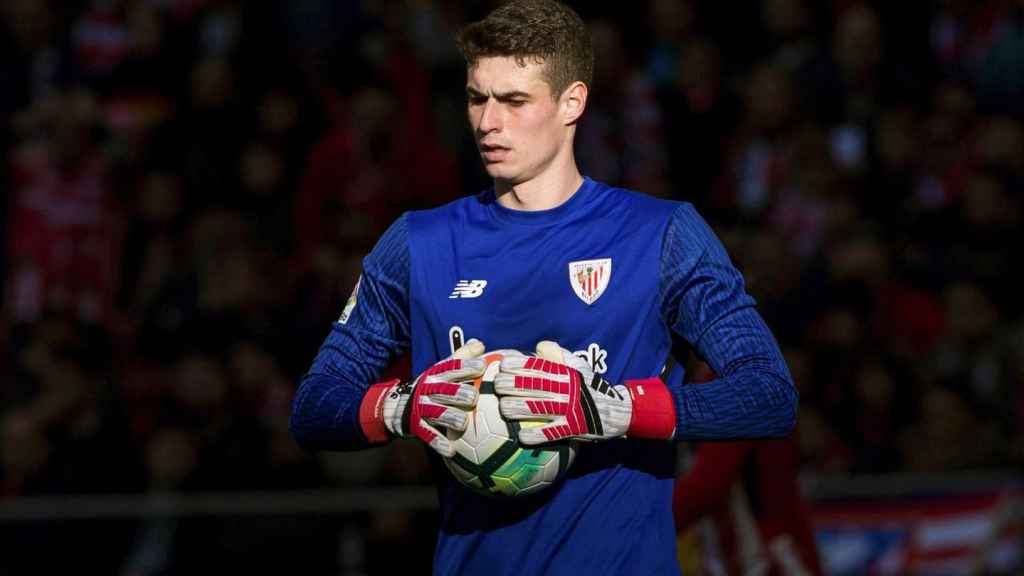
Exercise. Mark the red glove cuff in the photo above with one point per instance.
(654, 411)
(371, 412)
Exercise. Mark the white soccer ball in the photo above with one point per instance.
(488, 456)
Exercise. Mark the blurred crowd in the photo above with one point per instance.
(190, 185)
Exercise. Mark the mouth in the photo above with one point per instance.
(492, 153)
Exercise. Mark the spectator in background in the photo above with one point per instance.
(671, 22)
(152, 247)
(981, 42)
(743, 500)
(757, 158)
(696, 104)
(950, 434)
(65, 223)
(66, 433)
(353, 182)
(622, 139)
(879, 405)
(857, 52)
(968, 354)
(32, 61)
(100, 40)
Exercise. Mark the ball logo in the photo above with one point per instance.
(589, 278)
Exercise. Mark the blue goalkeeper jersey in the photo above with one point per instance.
(610, 274)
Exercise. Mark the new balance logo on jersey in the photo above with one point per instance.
(468, 289)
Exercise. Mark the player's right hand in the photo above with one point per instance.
(440, 397)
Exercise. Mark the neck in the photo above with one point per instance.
(542, 192)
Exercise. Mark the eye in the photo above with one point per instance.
(516, 103)
(477, 100)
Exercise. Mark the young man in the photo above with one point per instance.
(548, 260)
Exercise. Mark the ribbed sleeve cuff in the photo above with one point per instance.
(371, 412)
(654, 410)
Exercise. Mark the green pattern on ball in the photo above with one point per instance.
(489, 459)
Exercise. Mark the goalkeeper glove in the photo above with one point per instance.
(440, 396)
(560, 388)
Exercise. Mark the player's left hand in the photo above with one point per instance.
(561, 389)
(441, 397)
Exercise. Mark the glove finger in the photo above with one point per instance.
(433, 437)
(449, 393)
(557, 430)
(552, 351)
(522, 364)
(450, 418)
(549, 350)
(471, 349)
(533, 366)
(539, 387)
(531, 409)
(456, 370)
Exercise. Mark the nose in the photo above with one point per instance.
(490, 117)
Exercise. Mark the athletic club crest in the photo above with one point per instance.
(589, 278)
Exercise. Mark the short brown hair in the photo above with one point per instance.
(545, 30)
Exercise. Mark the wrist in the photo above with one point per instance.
(654, 410)
(371, 412)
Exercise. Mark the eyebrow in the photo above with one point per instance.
(500, 96)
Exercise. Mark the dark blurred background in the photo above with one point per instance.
(189, 187)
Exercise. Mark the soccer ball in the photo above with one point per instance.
(488, 457)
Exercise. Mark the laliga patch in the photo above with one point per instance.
(351, 302)
(589, 278)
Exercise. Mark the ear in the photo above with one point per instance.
(573, 102)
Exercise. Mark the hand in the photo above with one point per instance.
(440, 396)
(559, 388)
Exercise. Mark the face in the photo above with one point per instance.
(518, 126)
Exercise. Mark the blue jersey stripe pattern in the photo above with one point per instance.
(703, 300)
(325, 412)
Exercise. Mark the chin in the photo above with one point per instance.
(500, 172)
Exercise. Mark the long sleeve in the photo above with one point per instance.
(703, 300)
(373, 329)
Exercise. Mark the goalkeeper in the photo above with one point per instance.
(553, 261)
